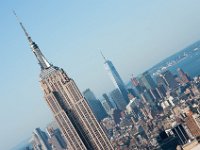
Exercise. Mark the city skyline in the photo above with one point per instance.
(22, 64)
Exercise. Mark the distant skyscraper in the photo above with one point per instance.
(107, 107)
(116, 79)
(184, 77)
(55, 139)
(105, 96)
(71, 111)
(155, 94)
(147, 96)
(160, 81)
(118, 99)
(169, 79)
(40, 140)
(107, 104)
(148, 81)
(137, 85)
(161, 91)
(95, 105)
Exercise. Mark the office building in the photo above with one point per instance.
(161, 91)
(180, 132)
(147, 97)
(40, 140)
(108, 100)
(137, 85)
(95, 105)
(147, 80)
(184, 77)
(169, 79)
(193, 124)
(106, 106)
(167, 142)
(116, 79)
(70, 109)
(118, 99)
(55, 139)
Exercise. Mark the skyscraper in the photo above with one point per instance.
(107, 107)
(71, 111)
(169, 79)
(105, 96)
(40, 140)
(181, 133)
(148, 81)
(184, 77)
(55, 139)
(95, 105)
(118, 99)
(116, 79)
(137, 85)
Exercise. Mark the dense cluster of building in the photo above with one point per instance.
(146, 115)
(161, 112)
(52, 139)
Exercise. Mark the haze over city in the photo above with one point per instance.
(135, 35)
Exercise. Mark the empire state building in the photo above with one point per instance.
(70, 109)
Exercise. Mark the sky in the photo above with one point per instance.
(133, 34)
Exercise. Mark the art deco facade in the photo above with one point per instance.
(70, 109)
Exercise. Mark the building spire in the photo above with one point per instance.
(44, 64)
(103, 56)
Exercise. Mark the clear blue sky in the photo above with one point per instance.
(134, 34)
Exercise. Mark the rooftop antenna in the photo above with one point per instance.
(103, 56)
(44, 64)
(23, 28)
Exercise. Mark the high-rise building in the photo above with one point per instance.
(167, 142)
(148, 81)
(118, 99)
(155, 94)
(161, 91)
(169, 79)
(40, 140)
(181, 134)
(184, 77)
(193, 124)
(147, 96)
(116, 79)
(55, 139)
(160, 81)
(70, 109)
(108, 106)
(95, 105)
(133, 109)
(137, 85)
(105, 96)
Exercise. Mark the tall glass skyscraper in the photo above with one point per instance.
(70, 109)
(95, 105)
(116, 79)
(148, 81)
